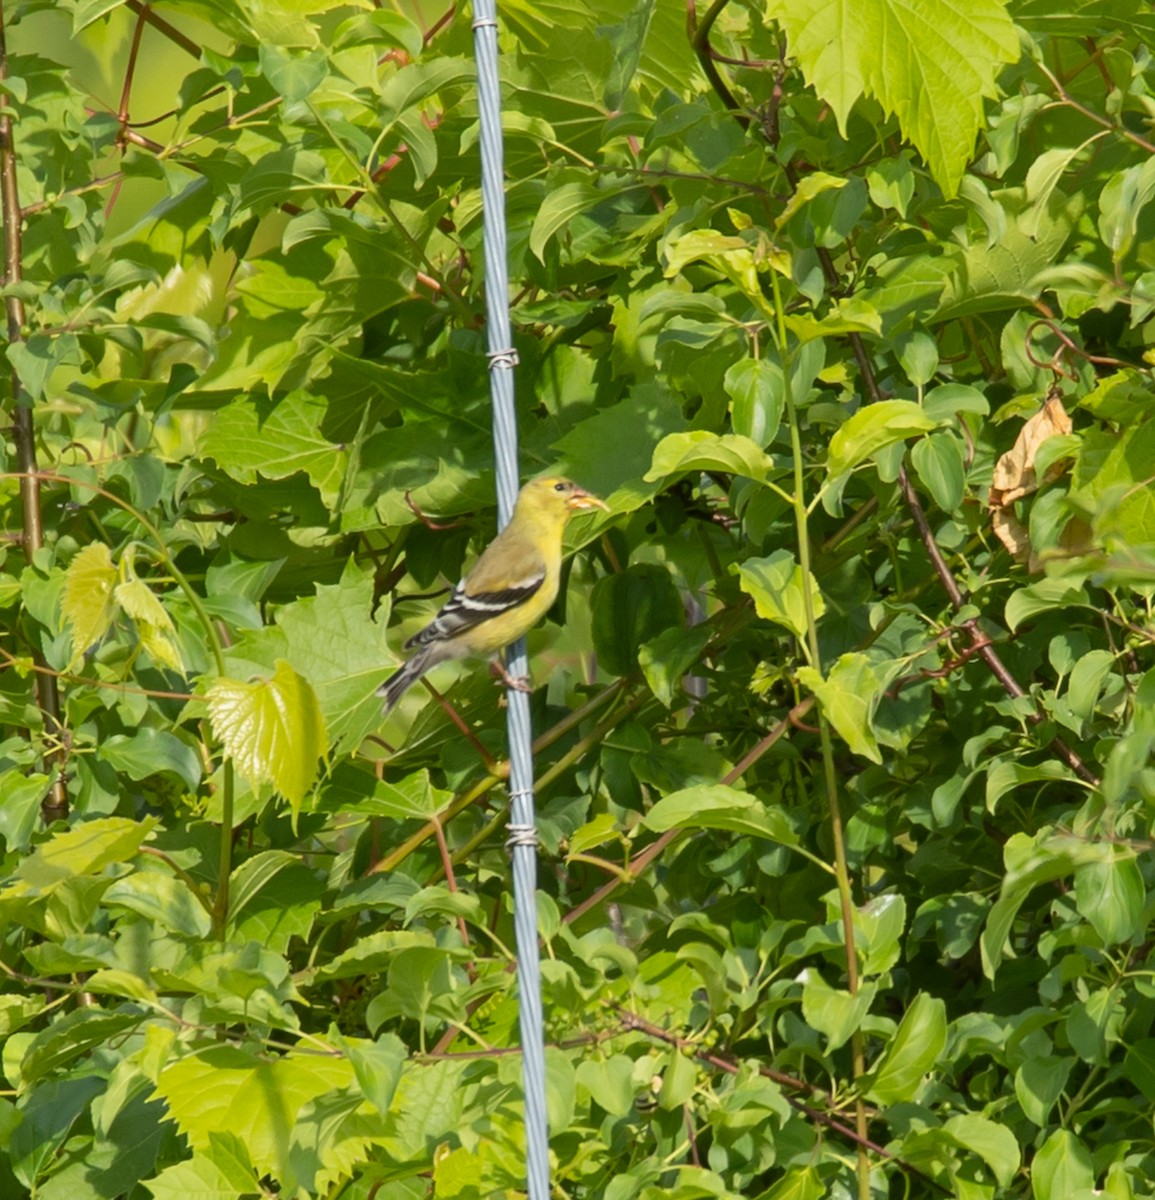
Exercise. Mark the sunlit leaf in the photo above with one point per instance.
(272, 729)
(931, 65)
(775, 584)
(89, 604)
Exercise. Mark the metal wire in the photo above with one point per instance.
(502, 360)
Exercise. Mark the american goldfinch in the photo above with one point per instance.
(510, 588)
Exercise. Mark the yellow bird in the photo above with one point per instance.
(510, 588)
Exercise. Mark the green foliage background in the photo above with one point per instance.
(845, 810)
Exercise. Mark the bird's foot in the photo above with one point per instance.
(519, 683)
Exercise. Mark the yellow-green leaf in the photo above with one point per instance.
(272, 729)
(699, 450)
(931, 64)
(153, 625)
(872, 429)
(848, 696)
(137, 599)
(89, 604)
(775, 584)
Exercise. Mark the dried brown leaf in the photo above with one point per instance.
(1014, 474)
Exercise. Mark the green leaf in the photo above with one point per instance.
(799, 1183)
(931, 66)
(291, 176)
(943, 402)
(757, 390)
(1042, 179)
(918, 355)
(1039, 1082)
(702, 451)
(603, 828)
(808, 187)
(377, 1065)
(149, 752)
(666, 659)
(415, 83)
(1139, 1066)
(372, 954)
(630, 608)
(48, 1116)
(833, 1012)
(678, 1081)
(720, 807)
(850, 314)
(37, 358)
(1117, 1185)
(438, 900)
(628, 40)
(223, 1089)
(20, 812)
(273, 729)
(879, 926)
(201, 1176)
(560, 1087)
(849, 696)
(63, 1041)
(1111, 895)
(939, 464)
(86, 12)
(775, 584)
(609, 1082)
(992, 1142)
(161, 897)
(1061, 1168)
(378, 26)
(419, 985)
(891, 184)
(85, 849)
(559, 207)
(732, 256)
(872, 429)
(111, 982)
(336, 641)
(1005, 776)
(1123, 397)
(251, 438)
(1087, 678)
(249, 879)
(1125, 196)
(911, 1052)
(1040, 597)
(1029, 863)
(295, 74)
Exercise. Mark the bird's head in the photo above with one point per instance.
(554, 494)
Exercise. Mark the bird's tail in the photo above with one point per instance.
(408, 673)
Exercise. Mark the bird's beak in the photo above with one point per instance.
(581, 499)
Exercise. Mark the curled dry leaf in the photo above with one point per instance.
(1014, 474)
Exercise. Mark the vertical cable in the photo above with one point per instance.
(523, 841)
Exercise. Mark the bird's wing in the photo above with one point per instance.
(465, 609)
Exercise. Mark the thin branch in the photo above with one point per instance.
(130, 70)
(630, 1021)
(979, 640)
(700, 40)
(497, 774)
(173, 34)
(652, 851)
(55, 804)
(1103, 122)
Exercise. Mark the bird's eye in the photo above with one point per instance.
(559, 487)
